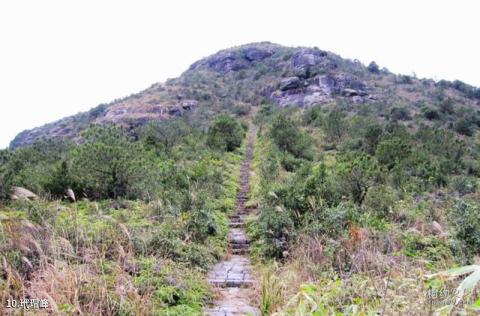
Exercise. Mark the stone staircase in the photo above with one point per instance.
(232, 277)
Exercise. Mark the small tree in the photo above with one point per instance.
(335, 125)
(225, 133)
(373, 133)
(373, 68)
(358, 175)
(110, 164)
(164, 135)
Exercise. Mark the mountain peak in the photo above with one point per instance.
(261, 73)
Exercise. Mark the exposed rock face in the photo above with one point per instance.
(353, 93)
(290, 83)
(320, 89)
(308, 57)
(257, 54)
(236, 59)
(132, 111)
(19, 193)
(227, 61)
(144, 109)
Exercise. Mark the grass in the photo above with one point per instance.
(114, 257)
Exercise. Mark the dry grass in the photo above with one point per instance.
(72, 281)
(359, 277)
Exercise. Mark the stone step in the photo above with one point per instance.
(239, 246)
(239, 241)
(240, 251)
(231, 283)
(236, 224)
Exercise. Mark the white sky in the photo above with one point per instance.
(61, 57)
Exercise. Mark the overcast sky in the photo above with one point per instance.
(61, 57)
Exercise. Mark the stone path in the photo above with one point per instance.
(232, 277)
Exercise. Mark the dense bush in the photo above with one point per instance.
(225, 133)
(4, 176)
(466, 220)
(465, 127)
(313, 116)
(335, 125)
(380, 200)
(33, 167)
(288, 137)
(400, 114)
(392, 150)
(372, 137)
(373, 68)
(110, 165)
(430, 113)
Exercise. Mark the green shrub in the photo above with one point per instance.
(335, 125)
(380, 200)
(277, 230)
(313, 116)
(110, 165)
(464, 185)
(372, 136)
(201, 224)
(400, 114)
(357, 174)
(430, 113)
(225, 133)
(241, 110)
(289, 162)
(373, 68)
(464, 126)
(466, 222)
(288, 137)
(32, 167)
(392, 151)
(270, 168)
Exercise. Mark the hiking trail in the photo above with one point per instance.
(231, 277)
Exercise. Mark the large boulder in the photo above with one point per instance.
(289, 83)
(70, 195)
(226, 62)
(308, 57)
(189, 104)
(257, 54)
(353, 93)
(286, 98)
(19, 193)
(314, 98)
(347, 81)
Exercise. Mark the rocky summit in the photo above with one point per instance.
(262, 73)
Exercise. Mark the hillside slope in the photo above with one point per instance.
(261, 73)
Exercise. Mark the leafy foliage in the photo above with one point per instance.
(109, 165)
(225, 133)
(288, 137)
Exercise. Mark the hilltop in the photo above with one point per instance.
(266, 73)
